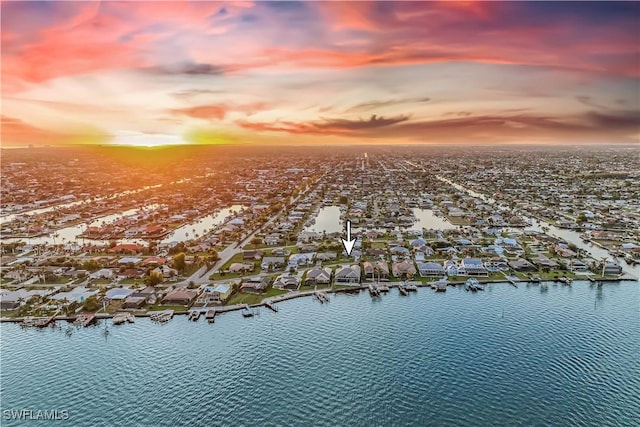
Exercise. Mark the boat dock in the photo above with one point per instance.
(247, 311)
(271, 306)
(373, 290)
(162, 316)
(402, 290)
(120, 318)
(321, 296)
(85, 319)
(194, 315)
(210, 315)
(565, 281)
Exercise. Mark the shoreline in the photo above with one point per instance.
(310, 293)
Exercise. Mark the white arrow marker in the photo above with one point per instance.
(348, 244)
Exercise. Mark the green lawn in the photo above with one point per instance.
(250, 246)
(242, 298)
(131, 281)
(175, 308)
(220, 276)
(311, 288)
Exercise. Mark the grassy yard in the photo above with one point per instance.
(220, 276)
(131, 281)
(457, 220)
(311, 288)
(242, 298)
(175, 308)
(249, 246)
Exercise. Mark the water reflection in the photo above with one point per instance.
(201, 226)
(328, 220)
(426, 219)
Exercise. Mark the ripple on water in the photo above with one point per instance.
(567, 356)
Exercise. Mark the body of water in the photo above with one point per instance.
(328, 219)
(201, 226)
(69, 234)
(426, 219)
(506, 356)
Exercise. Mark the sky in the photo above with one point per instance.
(155, 73)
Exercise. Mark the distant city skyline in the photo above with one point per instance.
(157, 73)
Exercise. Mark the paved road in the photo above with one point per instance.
(230, 251)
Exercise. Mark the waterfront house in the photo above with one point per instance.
(404, 269)
(118, 294)
(139, 298)
(521, 264)
(216, 294)
(318, 276)
(287, 281)
(451, 268)
(10, 300)
(430, 269)
(496, 264)
(132, 302)
(348, 274)
(542, 261)
(377, 270)
(474, 267)
(255, 285)
(577, 265)
(77, 294)
(611, 267)
(180, 296)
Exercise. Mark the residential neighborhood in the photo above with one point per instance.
(252, 235)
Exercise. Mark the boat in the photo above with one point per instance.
(247, 312)
(442, 281)
(383, 288)
(373, 290)
(194, 315)
(472, 285)
(565, 281)
(402, 290)
(411, 287)
(121, 318)
(210, 315)
(322, 296)
(441, 287)
(162, 316)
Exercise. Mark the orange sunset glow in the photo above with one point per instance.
(168, 73)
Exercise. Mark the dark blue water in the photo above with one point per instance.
(568, 356)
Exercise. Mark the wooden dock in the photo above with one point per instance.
(271, 306)
(210, 315)
(85, 320)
